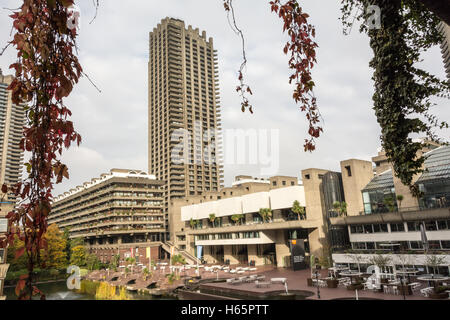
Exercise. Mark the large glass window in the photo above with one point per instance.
(413, 226)
(380, 227)
(443, 224)
(436, 194)
(430, 225)
(368, 228)
(445, 244)
(379, 201)
(397, 227)
(356, 229)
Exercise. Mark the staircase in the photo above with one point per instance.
(190, 259)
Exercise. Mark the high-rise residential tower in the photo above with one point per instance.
(445, 46)
(12, 119)
(184, 113)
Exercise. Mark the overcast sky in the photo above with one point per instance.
(114, 53)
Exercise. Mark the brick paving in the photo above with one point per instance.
(297, 281)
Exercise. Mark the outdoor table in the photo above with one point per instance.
(282, 280)
(436, 278)
(351, 274)
(407, 272)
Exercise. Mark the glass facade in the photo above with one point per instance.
(379, 195)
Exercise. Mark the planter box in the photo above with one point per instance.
(309, 282)
(442, 295)
(332, 283)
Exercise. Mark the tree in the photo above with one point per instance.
(78, 256)
(55, 255)
(340, 208)
(193, 223)
(381, 260)
(358, 259)
(434, 261)
(212, 218)
(92, 262)
(16, 262)
(265, 214)
(399, 199)
(132, 261)
(389, 202)
(178, 259)
(237, 218)
(299, 210)
(45, 72)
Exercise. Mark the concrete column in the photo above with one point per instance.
(253, 255)
(281, 249)
(316, 240)
(228, 255)
(207, 256)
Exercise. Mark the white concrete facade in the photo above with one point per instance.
(274, 199)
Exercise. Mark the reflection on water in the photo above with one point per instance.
(58, 291)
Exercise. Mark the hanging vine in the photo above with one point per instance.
(403, 92)
(45, 71)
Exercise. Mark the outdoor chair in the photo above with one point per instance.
(426, 291)
(233, 271)
(261, 278)
(236, 282)
(230, 280)
(395, 290)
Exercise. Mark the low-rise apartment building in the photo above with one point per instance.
(119, 213)
(228, 227)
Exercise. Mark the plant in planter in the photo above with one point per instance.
(311, 265)
(266, 214)
(237, 218)
(299, 210)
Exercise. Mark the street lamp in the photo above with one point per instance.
(317, 277)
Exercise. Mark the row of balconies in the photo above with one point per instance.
(69, 220)
(111, 232)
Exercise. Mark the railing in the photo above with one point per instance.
(429, 206)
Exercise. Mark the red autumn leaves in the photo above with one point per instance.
(45, 72)
(301, 48)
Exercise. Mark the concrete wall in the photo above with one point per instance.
(361, 175)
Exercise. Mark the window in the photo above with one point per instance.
(397, 227)
(359, 245)
(370, 245)
(368, 228)
(413, 226)
(274, 183)
(434, 244)
(445, 244)
(349, 170)
(356, 229)
(443, 224)
(292, 183)
(416, 245)
(284, 183)
(430, 225)
(380, 228)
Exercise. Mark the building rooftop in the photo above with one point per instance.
(437, 165)
(382, 181)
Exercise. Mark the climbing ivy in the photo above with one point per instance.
(403, 91)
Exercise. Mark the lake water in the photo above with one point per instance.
(58, 291)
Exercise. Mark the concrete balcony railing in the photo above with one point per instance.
(256, 226)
